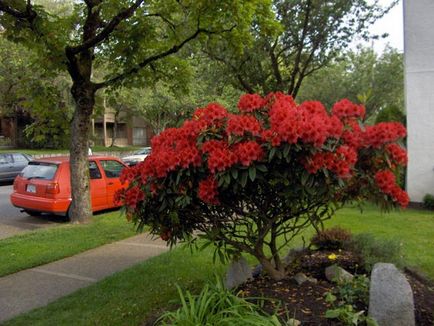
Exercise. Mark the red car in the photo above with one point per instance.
(44, 185)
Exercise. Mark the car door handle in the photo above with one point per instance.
(110, 183)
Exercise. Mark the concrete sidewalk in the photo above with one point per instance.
(36, 287)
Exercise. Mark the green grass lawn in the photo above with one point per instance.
(129, 297)
(46, 245)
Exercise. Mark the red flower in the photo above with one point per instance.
(250, 102)
(347, 109)
(208, 191)
(240, 124)
(397, 153)
(247, 152)
(385, 180)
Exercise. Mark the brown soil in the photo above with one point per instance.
(306, 302)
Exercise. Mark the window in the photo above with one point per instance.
(19, 158)
(5, 158)
(39, 170)
(112, 169)
(94, 171)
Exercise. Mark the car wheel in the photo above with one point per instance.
(32, 213)
(68, 214)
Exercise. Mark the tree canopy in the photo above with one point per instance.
(307, 35)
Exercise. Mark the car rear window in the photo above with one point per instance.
(143, 151)
(39, 170)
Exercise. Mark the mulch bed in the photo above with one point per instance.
(306, 302)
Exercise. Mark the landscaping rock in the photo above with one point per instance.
(300, 278)
(238, 273)
(312, 280)
(390, 297)
(293, 322)
(337, 274)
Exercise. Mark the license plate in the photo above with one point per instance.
(31, 188)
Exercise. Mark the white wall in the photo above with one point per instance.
(419, 87)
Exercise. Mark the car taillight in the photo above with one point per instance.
(15, 185)
(53, 188)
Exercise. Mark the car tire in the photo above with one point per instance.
(32, 213)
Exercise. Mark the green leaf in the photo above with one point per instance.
(332, 313)
(234, 173)
(244, 176)
(286, 150)
(252, 173)
(305, 175)
(272, 152)
(262, 168)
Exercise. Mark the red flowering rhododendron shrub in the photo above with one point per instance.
(245, 180)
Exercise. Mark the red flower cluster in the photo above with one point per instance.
(346, 109)
(133, 196)
(219, 159)
(250, 102)
(341, 162)
(385, 180)
(205, 142)
(397, 153)
(240, 124)
(383, 133)
(211, 113)
(208, 191)
(248, 151)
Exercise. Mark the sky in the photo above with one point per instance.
(392, 23)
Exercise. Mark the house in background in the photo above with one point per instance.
(130, 131)
(419, 91)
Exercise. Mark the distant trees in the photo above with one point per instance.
(363, 76)
(304, 37)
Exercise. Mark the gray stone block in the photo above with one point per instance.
(337, 274)
(238, 273)
(390, 297)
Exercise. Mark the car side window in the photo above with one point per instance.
(112, 169)
(19, 158)
(5, 158)
(94, 171)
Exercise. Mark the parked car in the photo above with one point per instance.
(11, 164)
(44, 185)
(137, 156)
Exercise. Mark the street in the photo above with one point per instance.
(12, 221)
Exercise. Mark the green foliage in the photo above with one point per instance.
(27, 89)
(216, 306)
(378, 81)
(332, 238)
(374, 249)
(391, 113)
(428, 201)
(303, 37)
(344, 300)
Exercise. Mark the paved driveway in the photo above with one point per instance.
(12, 221)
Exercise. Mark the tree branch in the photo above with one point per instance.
(153, 58)
(107, 30)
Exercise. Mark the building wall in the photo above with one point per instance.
(419, 87)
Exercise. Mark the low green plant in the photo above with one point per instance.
(428, 201)
(334, 238)
(215, 305)
(344, 300)
(374, 250)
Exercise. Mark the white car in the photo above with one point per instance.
(137, 156)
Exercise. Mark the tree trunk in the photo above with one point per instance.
(272, 271)
(84, 96)
(115, 128)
